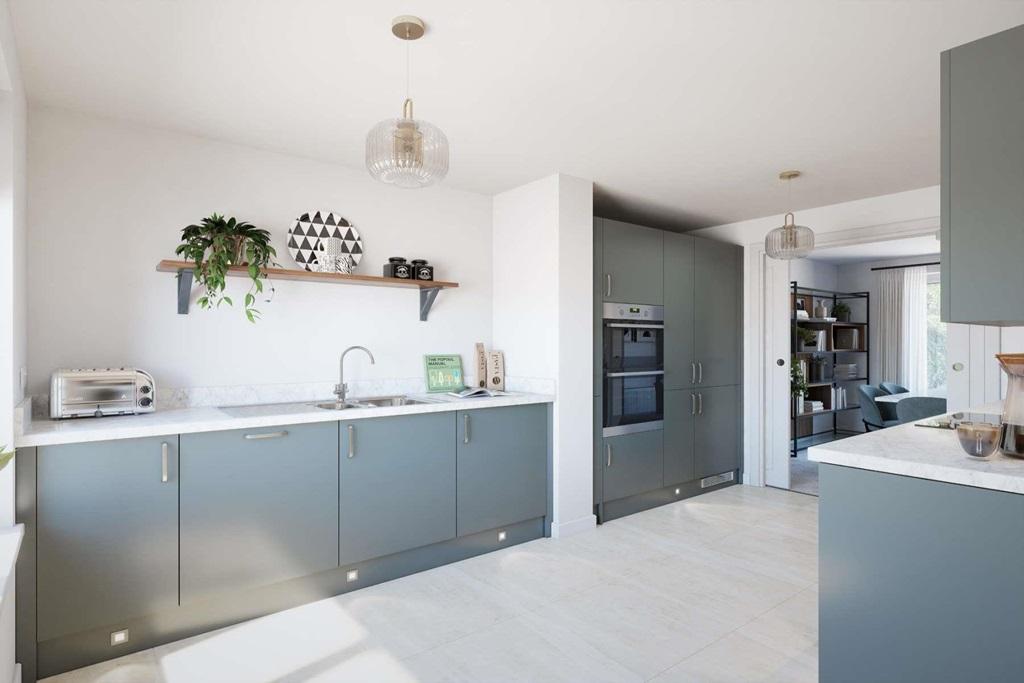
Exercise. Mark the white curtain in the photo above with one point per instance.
(901, 327)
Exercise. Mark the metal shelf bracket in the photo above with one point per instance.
(427, 296)
(184, 289)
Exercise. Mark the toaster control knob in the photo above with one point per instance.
(145, 401)
(145, 389)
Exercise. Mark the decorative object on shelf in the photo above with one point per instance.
(444, 373)
(841, 311)
(808, 338)
(791, 241)
(217, 244)
(801, 314)
(422, 270)
(310, 228)
(331, 257)
(481, 366)
(407, 152)
(496, 370)
(797, 385)
(820, 310)
(398, 268)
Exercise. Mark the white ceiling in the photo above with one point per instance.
(682, 112)
(878, 251)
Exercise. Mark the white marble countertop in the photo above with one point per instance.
(924, 453)
(191, 420)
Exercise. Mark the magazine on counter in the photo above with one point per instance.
(476, 392)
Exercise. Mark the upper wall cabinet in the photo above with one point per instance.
(982, 109)
(632, 263)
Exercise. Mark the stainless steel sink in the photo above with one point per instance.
(373, 402)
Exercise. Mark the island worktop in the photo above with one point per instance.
(47, 432)
(924, 453)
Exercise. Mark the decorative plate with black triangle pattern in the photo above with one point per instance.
(305, 234)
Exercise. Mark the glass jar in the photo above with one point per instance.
(1011, 438)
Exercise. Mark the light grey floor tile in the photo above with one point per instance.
(721, 587)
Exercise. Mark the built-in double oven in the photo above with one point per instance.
(634, 368)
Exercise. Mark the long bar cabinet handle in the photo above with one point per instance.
(352, 441)
(608, 451)
(465, 428)
(267, 435)
(164, 448)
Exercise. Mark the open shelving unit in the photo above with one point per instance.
(428, 289)
(847, 340)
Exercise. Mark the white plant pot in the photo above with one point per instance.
(799, 404)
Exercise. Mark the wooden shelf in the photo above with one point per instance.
(428, 288)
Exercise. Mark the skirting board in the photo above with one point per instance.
(576, 526)
(651, 499)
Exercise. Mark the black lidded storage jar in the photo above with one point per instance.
(422, 271)
(397, 267)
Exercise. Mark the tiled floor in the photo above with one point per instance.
(722, 587)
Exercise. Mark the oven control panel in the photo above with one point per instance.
(634, 312)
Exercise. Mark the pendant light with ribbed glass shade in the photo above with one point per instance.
(407, 152)
(791, 241)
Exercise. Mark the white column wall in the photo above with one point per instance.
(542, 289)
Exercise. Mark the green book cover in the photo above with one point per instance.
(444, 373)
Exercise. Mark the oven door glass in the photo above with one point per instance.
(632, 399)
(633, 347)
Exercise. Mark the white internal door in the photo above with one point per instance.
(973, 377)
(777, 362)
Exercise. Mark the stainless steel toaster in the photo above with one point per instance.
(97, 392)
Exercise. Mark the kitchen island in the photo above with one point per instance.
(921, 550)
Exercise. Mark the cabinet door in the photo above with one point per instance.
(679, 369)
(717, 333)
(599, 289)
(502, 465)
(680, 407)
(397, 484)
(632, 263)
(633, 464)
(107, 543)
(982, 177)
(716, 432)
(258, 506)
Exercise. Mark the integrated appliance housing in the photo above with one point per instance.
(634, 368)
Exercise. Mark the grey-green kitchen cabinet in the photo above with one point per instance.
(632, 263)
(982, 233)
(107, 533)
(397, 484)
(633, 463)
(258, 506)
(680, 363)
(717, 311)
(716, 430)
(501, 466)
(599, 289)
(680, 413)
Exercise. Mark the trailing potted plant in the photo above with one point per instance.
(841, 311)
(797, 386)
(216, 244)
(808, 338)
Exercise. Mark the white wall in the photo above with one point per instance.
(108, 200)
(543, 294)
(810, 273)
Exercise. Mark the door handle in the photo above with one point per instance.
(267, 435)
(693, 372)
(700, 372)
(351, 441)
(693, 404)
(608, 284)
(465, 428)
(608, 453)
(700, 404)
(643, 373)
(958, 367)
(163, 462)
